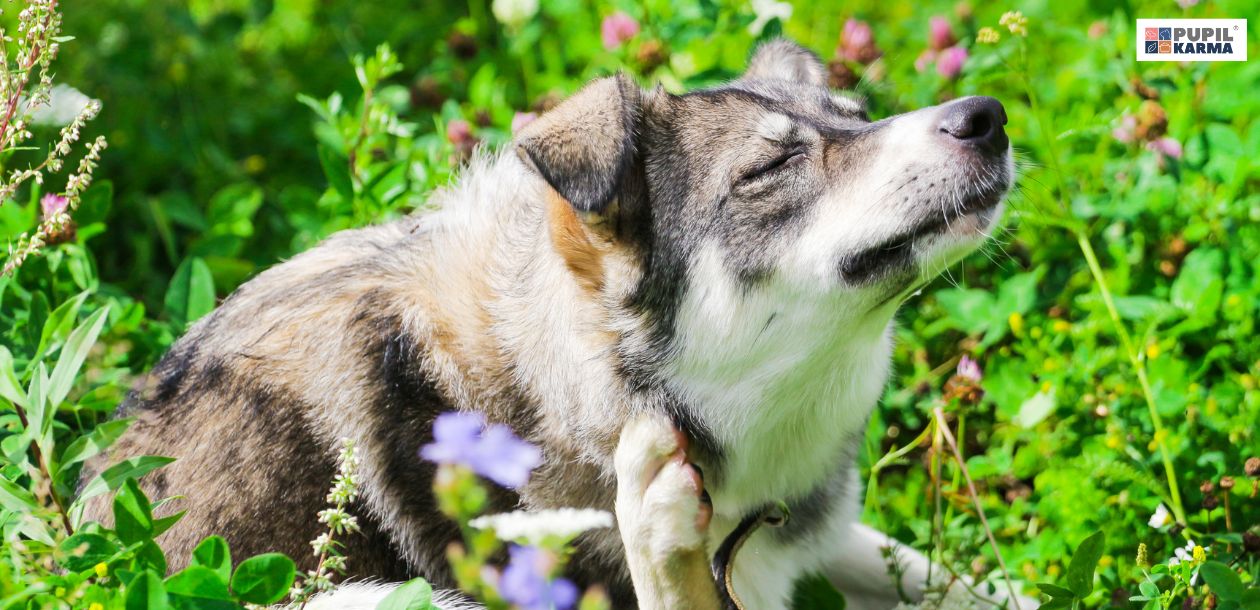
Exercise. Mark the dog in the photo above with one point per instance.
(685, 300)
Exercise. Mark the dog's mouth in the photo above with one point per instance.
(967, 216)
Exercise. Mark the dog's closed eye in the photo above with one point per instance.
(774, 165)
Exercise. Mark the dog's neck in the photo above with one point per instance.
(784, 380)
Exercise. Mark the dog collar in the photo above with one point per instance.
(771, 515)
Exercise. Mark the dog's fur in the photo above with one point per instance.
(730, 259)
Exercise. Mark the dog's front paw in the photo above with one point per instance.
(662, 510)
(663, 515)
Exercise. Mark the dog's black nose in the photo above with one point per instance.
(977, 121)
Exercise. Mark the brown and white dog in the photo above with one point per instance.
(641, 271)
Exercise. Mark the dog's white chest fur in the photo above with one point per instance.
(784, 378)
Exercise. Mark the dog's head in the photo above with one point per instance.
(775, 179)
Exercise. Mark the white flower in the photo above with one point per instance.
(559, 525)
(767, 10)
(1161, 517)
(514, 13)
(63, 106)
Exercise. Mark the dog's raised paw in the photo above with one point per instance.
(662, 509)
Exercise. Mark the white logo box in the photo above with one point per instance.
(1193, 39)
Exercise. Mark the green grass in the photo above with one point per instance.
(1114, 317)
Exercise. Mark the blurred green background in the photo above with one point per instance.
(218, 167)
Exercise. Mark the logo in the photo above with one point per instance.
(1192, 40)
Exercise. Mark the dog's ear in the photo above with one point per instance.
(785, 60)
(584, 147)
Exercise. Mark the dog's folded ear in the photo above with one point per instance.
(584, 147)
(785, 60)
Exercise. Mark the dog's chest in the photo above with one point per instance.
(785, 384)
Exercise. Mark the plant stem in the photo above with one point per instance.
(975, 498)
(1096, 271)
(42, 465)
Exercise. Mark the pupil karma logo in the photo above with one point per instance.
(1192, 40)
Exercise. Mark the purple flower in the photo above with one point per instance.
(525, 582)
(1166, 146)
(459, 132)
(924, 60)
(504, 458)
(857, 42)
(1127, 130)
(969, 369)
(521, 119)
(494, 451)
(617, 28)
(52, 205)
(950, 62)
(940, 34)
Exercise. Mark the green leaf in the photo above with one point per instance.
(971, 310)
(150, 555)
(161, 524)
(337, 170)
(38, 415)
(1080, 572)
(213, 553)
(133, 517)
(113, 477)
(57, 325)
(815, 592)
(1036, 408)
(1149, 589)
(146, 592)
(1251, 599)
(1057, 603)
(191, 292)
(86, 447)
(83, 551)
(1055, 590)
(73, 353)
(198, 582)
(1224, 582)
(16, 498)
(263, 579)
(10, 387)
(415, 594)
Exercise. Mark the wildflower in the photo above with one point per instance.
(1252, 467)
(514, 13)
(950, 62)
(101, 569)
(1152, 350)
(1016, 22)
(462, 45)
(988, 35)
(940, 34)
(617, 28)
(969, 369)
(1152, 121)
(1097, 29)
(536, 528)
(1161, 517)
(1016, 320)
(1251, 542)
(1126, 132)
(64, 104)
(526, 584)
(857, 42)
(95, 606)
(651, 55)
(458, 132)
(53, 205)
(492, 451)
(1168, 147)
(1185, 4)
(1198, 554)
(765, 11)
(1142, 559)
(1061, 326)
(521, 119)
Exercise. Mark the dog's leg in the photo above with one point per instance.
(662, 519)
